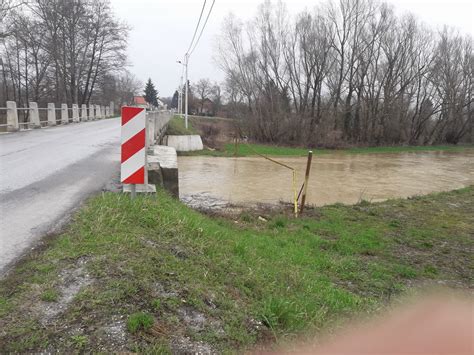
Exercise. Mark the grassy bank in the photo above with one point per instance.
(176, 126)
(243, 150)
(152, 274)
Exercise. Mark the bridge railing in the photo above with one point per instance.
(157, 121)
(20, 118)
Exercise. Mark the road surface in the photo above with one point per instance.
(45, 174)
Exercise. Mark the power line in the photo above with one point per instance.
(202, 29)
(197, 26)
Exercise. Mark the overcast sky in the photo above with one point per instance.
(161, 31)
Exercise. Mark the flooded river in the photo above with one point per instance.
(337, 177)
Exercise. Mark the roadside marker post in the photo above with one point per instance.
(133, 148)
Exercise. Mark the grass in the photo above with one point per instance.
(138, 321)
(243, 150)
(162, 272)
(49, 295)
(177, 127)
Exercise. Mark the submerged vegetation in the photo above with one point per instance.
(152, 274)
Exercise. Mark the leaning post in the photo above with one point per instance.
(51, 114)
(306, 178)
(12, 117)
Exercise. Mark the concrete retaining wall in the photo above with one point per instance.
(163, 168)
(184, 143)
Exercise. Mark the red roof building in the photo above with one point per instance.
(139, 101)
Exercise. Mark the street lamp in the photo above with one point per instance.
(186, 59)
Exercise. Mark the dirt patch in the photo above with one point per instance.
(160, 291)
(114, 334)
(70, 282)
(184, 345)
(194, 320)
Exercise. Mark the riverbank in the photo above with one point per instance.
(252, 149)
(218, 136)
(153, 275)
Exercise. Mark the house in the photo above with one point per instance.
(207, 107)
(139, 101)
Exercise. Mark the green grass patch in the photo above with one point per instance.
(177, 127)
(139, 321)
(243, 150)
(49, 295)
(165, 270)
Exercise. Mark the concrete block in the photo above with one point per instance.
(167, 159)
(184, 143)
(155, 177)
(64, 114)
(51, 114)
(84, 112)
(91, 112)
(140, 189)
(12, 117)
(75, 113)
(34, 115)
(167, 156)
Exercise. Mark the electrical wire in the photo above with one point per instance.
(202, 29)
(197, 26)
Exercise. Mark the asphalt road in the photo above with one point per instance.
(45, 174)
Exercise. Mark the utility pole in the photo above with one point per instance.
(179, 99)
(186, 58)
(180, 96)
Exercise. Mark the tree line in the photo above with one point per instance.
(69, 51)
(348, 72)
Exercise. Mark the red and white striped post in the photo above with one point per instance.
(133, 154)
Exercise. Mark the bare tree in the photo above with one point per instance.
(62, 51)
(351, 71)
(203, 90)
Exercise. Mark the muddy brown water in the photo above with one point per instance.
(338, 177)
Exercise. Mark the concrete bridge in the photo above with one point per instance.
(46, 174)
(38, 117)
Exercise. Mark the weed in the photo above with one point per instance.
(156, 304)
(139, 321)
(430, 270)
(79, 341)
(49, 295)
